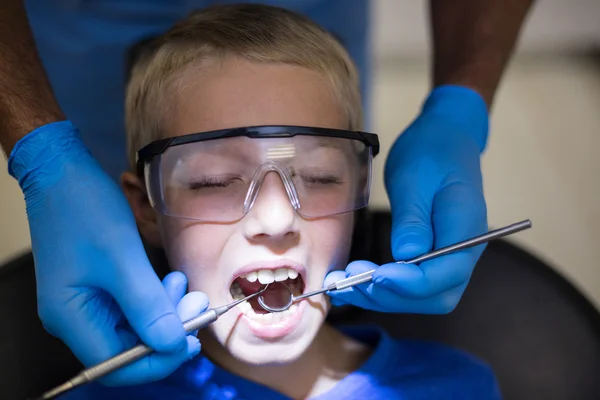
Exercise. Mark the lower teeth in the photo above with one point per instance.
(268, 318)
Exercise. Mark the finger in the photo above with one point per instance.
(192, 305)
(158, 365)
(87, 325)
(154, 367)
(354, 268)
(337, 302)
(146, 304)
(93, 343)
(175, 285)
(441, 304)
(334, 296)
(377, 298)
(95, 333)
(352, 295)
(428, 279)
(333, 277)
(411, 191)
(459, 214)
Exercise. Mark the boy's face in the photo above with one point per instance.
(272, 236)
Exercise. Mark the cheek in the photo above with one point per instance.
(331, 242)
(194, 249)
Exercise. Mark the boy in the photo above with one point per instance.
(250, 169)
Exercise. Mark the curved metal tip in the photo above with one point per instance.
(235, 303)
(276, 309)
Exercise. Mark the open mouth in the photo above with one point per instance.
(254, 281)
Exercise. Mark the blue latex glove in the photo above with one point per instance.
(188, 305)
(94, 280)
(433, 179)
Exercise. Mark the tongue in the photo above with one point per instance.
(248, 287)
(277, 295)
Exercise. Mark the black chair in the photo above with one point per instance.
(539, 334)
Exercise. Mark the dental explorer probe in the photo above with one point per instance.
(486, 237)
(141, 350)
(368, 275)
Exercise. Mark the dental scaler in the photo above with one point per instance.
(141, 350)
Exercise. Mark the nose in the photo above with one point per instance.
(272, 217)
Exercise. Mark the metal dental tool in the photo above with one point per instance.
(141, 350)
(287, 298)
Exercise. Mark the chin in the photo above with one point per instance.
(269, 339)
(269, 354)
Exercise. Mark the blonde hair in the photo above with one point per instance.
(256, 32)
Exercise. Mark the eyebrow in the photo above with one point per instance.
(235, 149)
(327, 144)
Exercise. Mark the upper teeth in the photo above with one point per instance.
(266, 276)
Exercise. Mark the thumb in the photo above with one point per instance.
(192, 305)
(411, 197)
(147, 305)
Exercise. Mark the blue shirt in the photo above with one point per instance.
(83, 45)
(396, 369)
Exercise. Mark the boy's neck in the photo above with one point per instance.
(329, 358)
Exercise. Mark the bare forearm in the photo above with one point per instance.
(473, 41)
(26, 99)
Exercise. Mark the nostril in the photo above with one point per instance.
(291, 235)
(287, 236)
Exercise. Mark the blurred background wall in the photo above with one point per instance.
(545, 131)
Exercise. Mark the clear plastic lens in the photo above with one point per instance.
(219, 180)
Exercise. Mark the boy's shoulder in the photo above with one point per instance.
(436, 360)
(415, 369)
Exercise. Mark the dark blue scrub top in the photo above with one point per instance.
(83, 45)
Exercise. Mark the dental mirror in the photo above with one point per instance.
(280, 297)
(277, 297)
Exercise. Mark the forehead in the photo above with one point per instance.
(265, 148)
(236, 92)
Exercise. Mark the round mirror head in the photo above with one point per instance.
(276, 298)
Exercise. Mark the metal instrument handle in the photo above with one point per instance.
(142, 350)
(491, 235)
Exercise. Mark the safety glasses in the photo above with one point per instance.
(217, 176)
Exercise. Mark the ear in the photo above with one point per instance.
(144, 214)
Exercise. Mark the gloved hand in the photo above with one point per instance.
(94, 279)
(188, 306)
(433, 180)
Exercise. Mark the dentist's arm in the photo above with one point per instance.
(96, 289)
(433, 173)
(26, 99)
(473, 41)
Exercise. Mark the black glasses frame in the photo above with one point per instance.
(265, 131)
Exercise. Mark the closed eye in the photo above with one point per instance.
(211, 183)
(322, 180)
